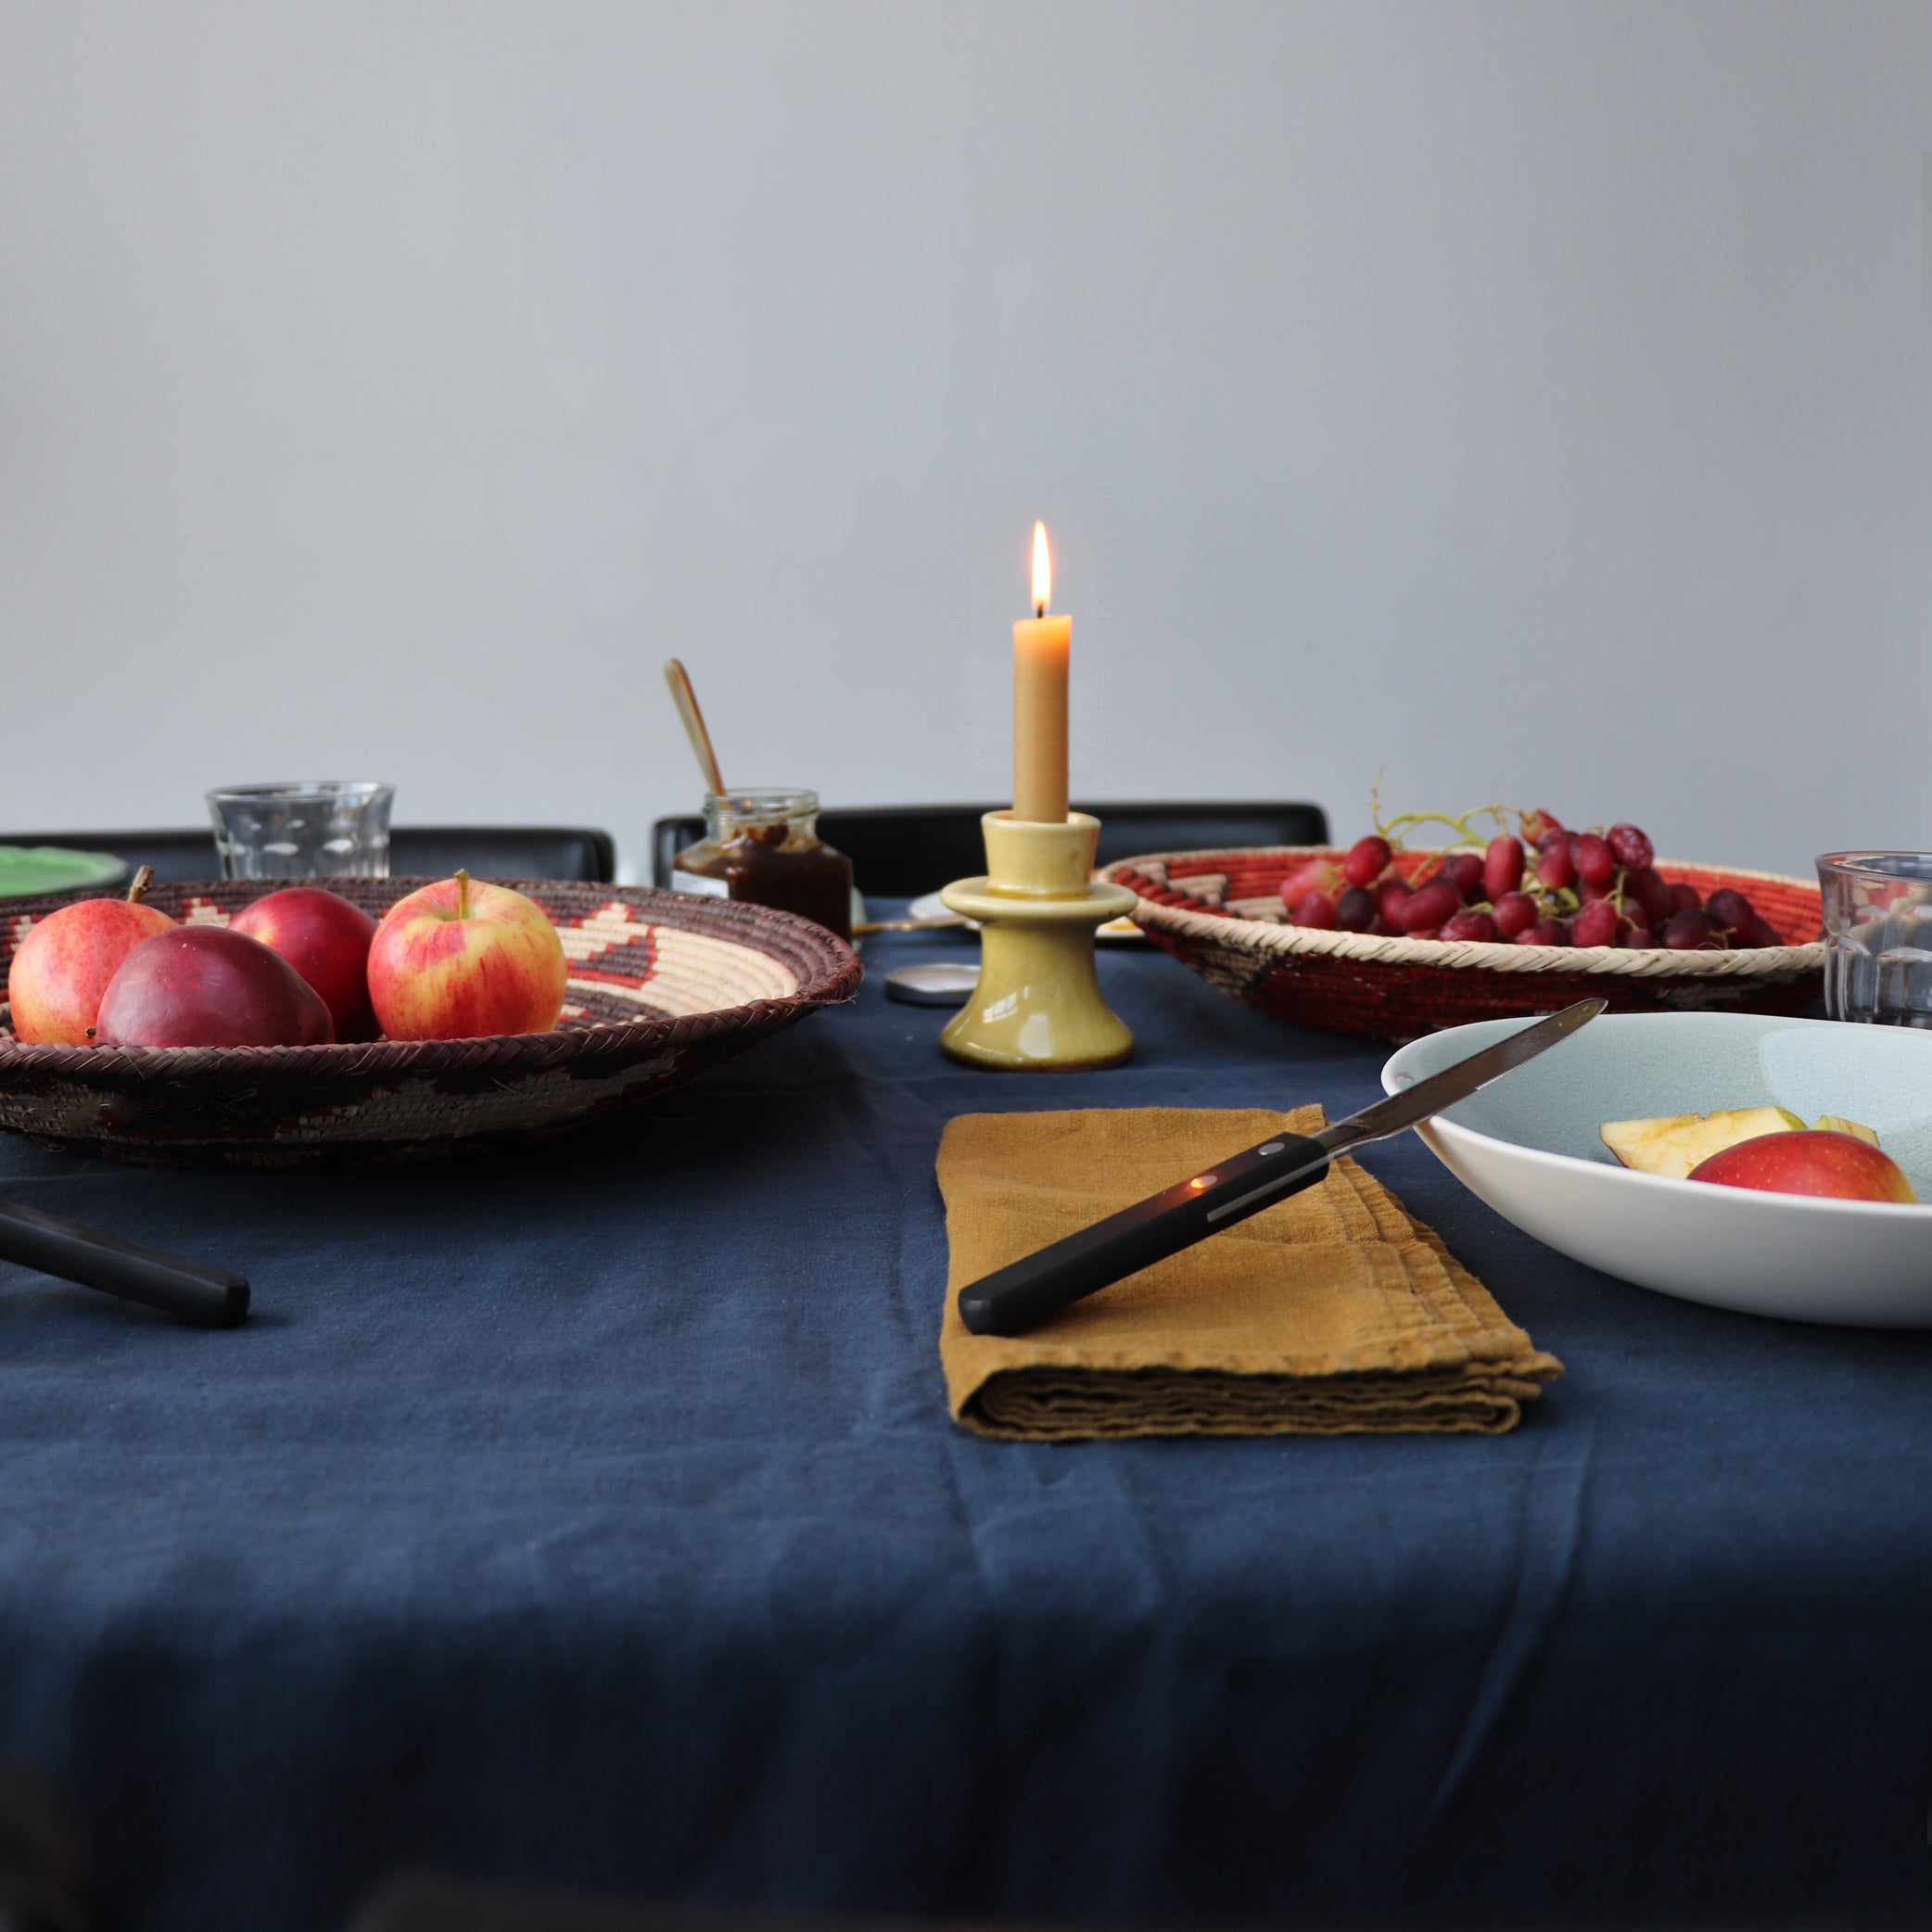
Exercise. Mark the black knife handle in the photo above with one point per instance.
(1026, 1292)
(190, 1291)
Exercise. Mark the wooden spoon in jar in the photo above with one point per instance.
(686, 700)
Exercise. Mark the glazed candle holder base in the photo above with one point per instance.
(1038, 1005)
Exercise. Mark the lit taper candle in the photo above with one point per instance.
(1041, 646)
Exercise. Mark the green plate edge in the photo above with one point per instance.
(27, 871)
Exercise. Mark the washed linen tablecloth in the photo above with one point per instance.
(594, 1517)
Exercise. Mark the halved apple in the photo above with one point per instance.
(1674, 1143)
(1840, 1166)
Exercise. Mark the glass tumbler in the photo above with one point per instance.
(303, 830)
(1877, 936)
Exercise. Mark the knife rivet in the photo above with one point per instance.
(1274, 1147)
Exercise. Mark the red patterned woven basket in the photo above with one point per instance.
(662, 986)
(1221, 913)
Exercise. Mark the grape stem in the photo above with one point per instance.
(1393, 829)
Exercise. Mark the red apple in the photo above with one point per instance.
(62, 967)
(210, 986)
(1807, 1161)
(326, 940)
(460, 959)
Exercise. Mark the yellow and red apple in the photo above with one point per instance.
(462, 959)
(62, 968)
(1808, 1161)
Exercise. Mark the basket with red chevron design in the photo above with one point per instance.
(662, 986)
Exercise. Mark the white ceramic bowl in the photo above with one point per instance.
(1528, 1146)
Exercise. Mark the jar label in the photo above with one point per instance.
(694, 881)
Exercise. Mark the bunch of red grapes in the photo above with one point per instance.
(1537, 884)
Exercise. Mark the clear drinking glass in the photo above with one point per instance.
(305, 829)
(1877, 936)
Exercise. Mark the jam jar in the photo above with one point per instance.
(764, 847)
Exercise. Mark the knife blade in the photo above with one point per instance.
(1028, 1292)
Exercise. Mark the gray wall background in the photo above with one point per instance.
(1527, 401)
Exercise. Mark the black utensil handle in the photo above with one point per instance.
(1026, 1292)
(190, 1291)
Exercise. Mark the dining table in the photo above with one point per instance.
(590, 1515)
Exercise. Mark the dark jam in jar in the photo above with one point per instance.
(763, 848)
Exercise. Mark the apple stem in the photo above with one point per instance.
(142, 880)
(462, 894)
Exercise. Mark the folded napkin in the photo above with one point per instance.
(1333, 1312)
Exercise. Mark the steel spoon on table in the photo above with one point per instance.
(189, 1291)
(1026, 1292)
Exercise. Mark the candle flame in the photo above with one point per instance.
(1042, 572)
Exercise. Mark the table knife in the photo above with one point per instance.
(1026, 1292)
(190, 1291)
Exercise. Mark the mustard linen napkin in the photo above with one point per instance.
(1331, 1313)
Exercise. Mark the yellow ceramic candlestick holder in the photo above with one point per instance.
(1038, 1005)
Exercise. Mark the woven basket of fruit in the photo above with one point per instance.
(1391, 940)
(573, 1001)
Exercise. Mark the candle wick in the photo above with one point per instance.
(1039, 610)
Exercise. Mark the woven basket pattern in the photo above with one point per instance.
(662, 986)
(1221, 913)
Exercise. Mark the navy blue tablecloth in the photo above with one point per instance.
(593, 1517)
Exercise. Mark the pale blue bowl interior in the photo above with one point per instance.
(1627, 1066)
